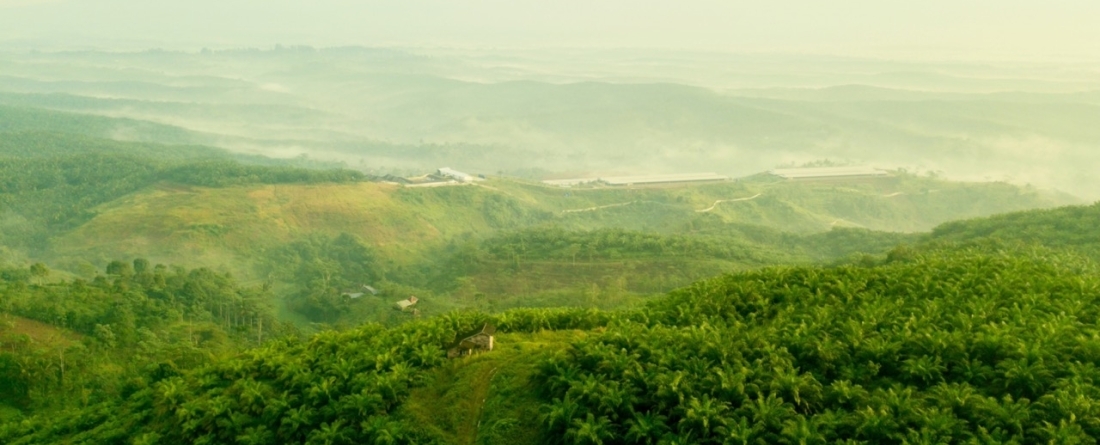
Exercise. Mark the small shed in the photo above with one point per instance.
(468, 343)
(406, 303)
(357, 293)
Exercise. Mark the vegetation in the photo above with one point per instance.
(1072, 228)
(104, 338)
(946, 345)
(336, 387)
(933, 347)
(78, 202)
(325, 270)
(52, 182)
(940, 343)
(754, 245)
(818, 314)
(934, 343)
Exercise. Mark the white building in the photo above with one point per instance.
(569, 182)
(828, 172)
(663, 179)
(456, 175)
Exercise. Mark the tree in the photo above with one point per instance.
(14, 384)
(141, 265)
(119, 268)
(39, 271)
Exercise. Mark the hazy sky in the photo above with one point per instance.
(1016, 29)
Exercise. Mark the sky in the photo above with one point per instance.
(993, 29)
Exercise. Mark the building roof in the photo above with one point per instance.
(452, 173)
(658, 179)
(486, 329)
(569, 182)
(406, 303)
(826, 172)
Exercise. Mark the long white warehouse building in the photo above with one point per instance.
(827, 172)
(640, 179)
(663, 179)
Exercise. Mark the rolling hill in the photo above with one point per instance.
(167, 221)
(78, 202)
(437, 241)
(217, 352)
(163, 280)
(945, 344)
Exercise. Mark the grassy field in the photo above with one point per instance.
(15, 329)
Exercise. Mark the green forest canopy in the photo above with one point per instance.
(947, 345)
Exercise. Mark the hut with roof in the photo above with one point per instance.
(468, 343)
(406, 303)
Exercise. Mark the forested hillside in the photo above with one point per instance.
(950, 345)
(71, 343)
(20, 119)
(154, 293)
(1073, 228)
(941, 347)
(507, 243)
(78, 202)
(52, 181)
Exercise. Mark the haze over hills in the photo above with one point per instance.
(651, 112)
(374, 231)
(260, 218)
(281, 222)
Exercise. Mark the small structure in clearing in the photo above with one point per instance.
(442, 177)
(365, 289)
(406, 303)
(478, 340)
(449, 173)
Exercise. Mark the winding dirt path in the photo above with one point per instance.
(712, 206)
(590, 209)
(853, 224)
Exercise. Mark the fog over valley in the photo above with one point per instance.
(568, 112)
(505, 222)
(971, 91)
